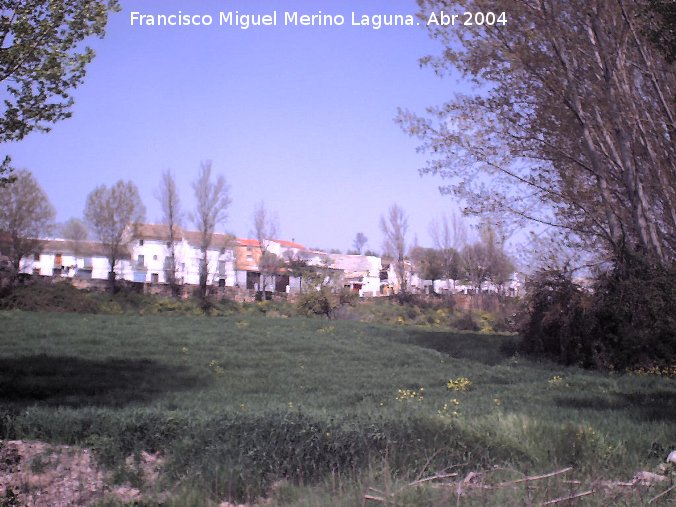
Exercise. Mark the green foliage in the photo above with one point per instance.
(634, 307)
(409, 309)
(315, 404)
(434, 264)
(25, 215)
(6, 170)
(49, 297)
(557, 320)
(627, 321)
(109, 212)
(348, 297)
(318, 302)
(43, 59)
(270, 308)
(526, 126)
(466, 323)
(39, 295)
(212, 198)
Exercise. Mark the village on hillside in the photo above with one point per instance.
(145, 260)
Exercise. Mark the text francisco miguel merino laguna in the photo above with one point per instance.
(286, 18)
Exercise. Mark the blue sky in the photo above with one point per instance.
(298, 117)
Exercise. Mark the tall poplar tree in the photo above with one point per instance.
(213, 200)
(572, 124)
(167, 195)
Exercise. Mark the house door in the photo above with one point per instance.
(252, 280)
(281, 281)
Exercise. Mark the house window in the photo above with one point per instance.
(140, 242)
(140, 261)
(154, 257)
(154, 278)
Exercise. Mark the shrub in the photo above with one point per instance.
(405, 298)
(273, 308)
(557, 320)
(466, 323)
(317, 302)
(42, 296)
(635, 320)
(348, 297)
(229, 306)
(171, 305)
(627, 321)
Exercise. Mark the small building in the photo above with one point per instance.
(84, 260)
(361, 273)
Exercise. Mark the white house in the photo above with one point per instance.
(74, 259)
(361, 273)
(151, 256)
(234, 262)
(248, 254)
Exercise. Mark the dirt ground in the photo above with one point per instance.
(36, 474)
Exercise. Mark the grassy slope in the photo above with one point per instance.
(122, 383)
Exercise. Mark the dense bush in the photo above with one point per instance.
(318, 302)
(557, 319)
(466, 323)
(635, 314)
(411, 309)
(40, 295)
(49, 297)
(348, 297)
(626, 321)
(271, 308)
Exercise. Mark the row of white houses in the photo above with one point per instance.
(231, 262)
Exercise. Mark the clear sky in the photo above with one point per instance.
(298, 117)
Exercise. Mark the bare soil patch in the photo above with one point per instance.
(44, 475)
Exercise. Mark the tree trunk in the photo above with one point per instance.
(204, 274)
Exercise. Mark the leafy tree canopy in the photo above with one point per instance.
(109, 212)
(42, 59)
(26, 216)
(571, 124)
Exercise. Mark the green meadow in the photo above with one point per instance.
(309, 411)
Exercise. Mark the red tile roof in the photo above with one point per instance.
(282, 242)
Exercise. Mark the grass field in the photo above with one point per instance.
(239, 403)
